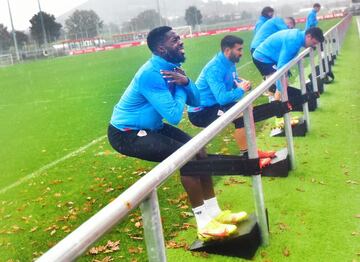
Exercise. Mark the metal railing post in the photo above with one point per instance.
(333, 45)
(321, 66)
(153, 232)
(313, 70)
(256, 179)
(326, 58)
(287, 126)
(303, 91)
(337, 41)
(330, 45)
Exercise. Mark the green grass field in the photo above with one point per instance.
(51, 108)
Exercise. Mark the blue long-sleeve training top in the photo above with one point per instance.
(311, 20)
(281, 47)
(216, 83)
(270, 27)
(149, 99)
(259, 23)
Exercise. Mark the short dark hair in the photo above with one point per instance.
(266, 10)
(316, 33)
(291, 19)
(316, 5)
(230, 41)
(157, 36)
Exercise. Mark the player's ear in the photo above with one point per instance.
(161, 50)
(227, 50)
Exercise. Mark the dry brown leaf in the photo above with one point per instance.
(110, 189)
(135, 250)
(33, 229)
(110, 247)
(105, 259)
(283, 226)
(286, 252)
(173, 244)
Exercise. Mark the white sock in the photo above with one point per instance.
(201, 216)
(212, 207)
(271, 98)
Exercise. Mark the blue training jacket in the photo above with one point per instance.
(259, 23)
(281, 47)
(149, 98)
(270, 27)
(311, 20)
(216, 83)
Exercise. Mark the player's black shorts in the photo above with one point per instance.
(147, 145)
(265, 69)
(207, 115)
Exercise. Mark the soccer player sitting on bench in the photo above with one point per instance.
(160, 90)
(220, 88)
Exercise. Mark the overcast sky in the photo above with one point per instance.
(23, 10)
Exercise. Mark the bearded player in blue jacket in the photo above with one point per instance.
(220, 88)
(160, 90)
(270, 27)
(311, 20)
(278, 49)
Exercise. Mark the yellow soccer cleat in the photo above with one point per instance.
(216, 231)
(226, 217)
(279, 123)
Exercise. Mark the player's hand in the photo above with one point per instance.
(243, 84)
(176, 77)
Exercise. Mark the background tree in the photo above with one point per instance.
(193, 16)
(111, 28)
(5, 38)
(21, 38)
(83, 24)
(246, 15)
(52, 28)
(146, 20)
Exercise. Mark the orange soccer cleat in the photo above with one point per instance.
(267, 154)
(263, 162)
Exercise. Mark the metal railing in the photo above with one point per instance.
(143, 192)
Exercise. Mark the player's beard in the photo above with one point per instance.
(175, 56)
(233, 58)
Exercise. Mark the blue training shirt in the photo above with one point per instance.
(149, 99)
(216, 83)
(281, 47)
(270, 27)
(311, 20)
(259, 23)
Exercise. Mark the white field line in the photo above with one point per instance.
(74, 153)
(54, 163)
(62, 99)
(358, 24)
(244, 65)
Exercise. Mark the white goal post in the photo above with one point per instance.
(183, 31)
(6, 60)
